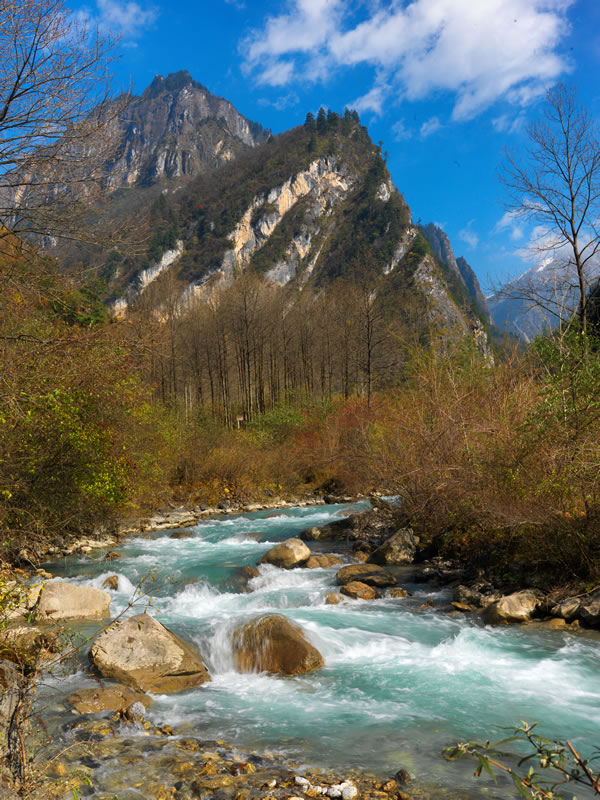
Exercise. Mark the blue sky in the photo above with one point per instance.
(445, 84)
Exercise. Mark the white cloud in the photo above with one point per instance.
(277, 73)
(126, 19)
(430, 126)
(479, 51)
(510, 221)
(372, 101)
(400, 131)
(468, 235)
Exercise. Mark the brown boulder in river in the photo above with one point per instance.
(359, 591)
(371, 574)
(323, 561)
(274, 644)
(143, 654)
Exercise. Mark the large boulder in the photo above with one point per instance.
(400, 548)
(589, 610)
(368, 527)
(518, 607)
(371, 574)
(288, 554)
(61, 600)
(107, 698)
(274, 644)
(143, 654)
(466, 596)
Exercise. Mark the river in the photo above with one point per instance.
(400, 681)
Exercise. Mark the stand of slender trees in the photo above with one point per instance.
(253, 345)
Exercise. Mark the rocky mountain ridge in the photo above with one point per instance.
(442, 250)
(303, 209)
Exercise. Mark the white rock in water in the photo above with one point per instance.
(349, 791)
(335, 790)
(301, 781)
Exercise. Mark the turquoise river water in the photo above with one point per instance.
(399, 684)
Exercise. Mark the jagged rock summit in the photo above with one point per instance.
(177, 128)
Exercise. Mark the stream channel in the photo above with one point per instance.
(399, 684)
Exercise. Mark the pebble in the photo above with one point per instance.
(299, 781)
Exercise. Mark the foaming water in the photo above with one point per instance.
(400, 681)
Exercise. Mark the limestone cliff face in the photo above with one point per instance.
(445, 314)
(323, 185)
(177, 128)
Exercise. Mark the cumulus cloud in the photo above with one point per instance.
(479, 51)
(430, 126)
(126, 19)
(468, 235)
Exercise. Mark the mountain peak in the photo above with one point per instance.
(177, 129)
(174, 82)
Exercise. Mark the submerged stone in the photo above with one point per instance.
(107, 698)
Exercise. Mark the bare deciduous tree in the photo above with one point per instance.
(57, 117)
(557, 187)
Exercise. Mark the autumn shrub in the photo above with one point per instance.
(499, 465)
